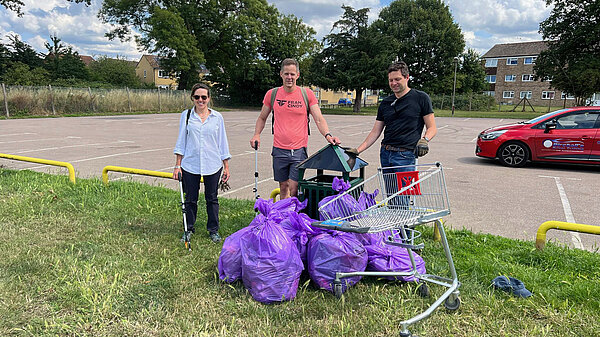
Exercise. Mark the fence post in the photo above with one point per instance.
(442, 104)
(91, 99)
(52, 99)
(470, 100)
(128, 99)
(159, 103)
(184, 99)
(5, 100)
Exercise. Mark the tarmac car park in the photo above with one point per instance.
(565, 136)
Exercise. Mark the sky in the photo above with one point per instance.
(484, 23)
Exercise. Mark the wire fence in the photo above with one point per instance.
(49, 100)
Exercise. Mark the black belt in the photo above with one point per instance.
(395, 149)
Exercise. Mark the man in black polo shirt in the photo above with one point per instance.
(401, 117)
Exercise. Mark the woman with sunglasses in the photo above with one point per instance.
(202, 151)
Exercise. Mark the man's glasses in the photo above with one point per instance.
(197, 97)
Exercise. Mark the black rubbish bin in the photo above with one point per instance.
(319, 186)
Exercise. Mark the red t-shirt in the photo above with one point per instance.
(291, 127)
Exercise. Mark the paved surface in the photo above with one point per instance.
(484, 196)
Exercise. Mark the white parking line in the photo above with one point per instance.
(71, 146)
(466, 119)
(39, 140)
(474, 139)
(18, 134)
(443, 127)
(575, 237)
(247, 186)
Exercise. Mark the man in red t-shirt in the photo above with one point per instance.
(290, 129)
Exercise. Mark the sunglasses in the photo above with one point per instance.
(197, 97)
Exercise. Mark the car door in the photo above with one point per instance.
(595, 154)
(572, 140)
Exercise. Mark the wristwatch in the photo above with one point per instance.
(427, 139)
(328, 134)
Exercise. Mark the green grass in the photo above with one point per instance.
(372, 111)
(94, 260)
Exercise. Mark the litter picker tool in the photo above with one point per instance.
(255, 189)
(186, 234)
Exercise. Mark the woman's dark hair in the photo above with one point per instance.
(199, 86)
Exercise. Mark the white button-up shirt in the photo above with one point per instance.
(203, 145)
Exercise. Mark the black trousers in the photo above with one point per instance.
(191, 187)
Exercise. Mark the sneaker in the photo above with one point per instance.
(215, 237)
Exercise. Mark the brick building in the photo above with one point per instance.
(509, 72)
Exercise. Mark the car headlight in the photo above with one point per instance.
(491, 135)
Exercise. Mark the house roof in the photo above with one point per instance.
(86, 59)
(516, 49)
(153, 60)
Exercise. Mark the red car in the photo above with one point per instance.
(564, 136)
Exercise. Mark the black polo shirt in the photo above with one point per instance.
(404, 119)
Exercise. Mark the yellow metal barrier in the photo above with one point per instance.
(540, 240)
(133, 171)
(43, 161)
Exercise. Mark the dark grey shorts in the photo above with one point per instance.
(285, 161)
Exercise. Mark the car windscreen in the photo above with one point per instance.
(542, 117)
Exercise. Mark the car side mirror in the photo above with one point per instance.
(550, 126)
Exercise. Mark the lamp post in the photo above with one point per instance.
(454, 87)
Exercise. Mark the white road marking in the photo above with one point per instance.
(474, 139)
(247, 186)
(466, 119)
(356, 134)
(39, 140)
(575, 237)
(443, 127)
(107, 156)
(18, 134)
(71, 146)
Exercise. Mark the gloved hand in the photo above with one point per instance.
(422, 147)
(353, 151)
(224, 186)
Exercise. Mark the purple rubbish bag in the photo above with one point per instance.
(341, 206)
(299, 231)
(390, 258)
(230, 260)
(333, 252)
(271, 263)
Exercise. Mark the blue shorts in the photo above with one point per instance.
(285, 162)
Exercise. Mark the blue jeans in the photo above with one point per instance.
(396, 158)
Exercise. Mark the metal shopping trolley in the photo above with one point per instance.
(407, 196)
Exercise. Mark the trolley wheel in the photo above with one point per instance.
(337, 289)
(407, 334)
(452, 305)
(423, 289)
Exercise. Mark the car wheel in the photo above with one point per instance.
(513, 154)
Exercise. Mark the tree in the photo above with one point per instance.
(22, 52)
(472, 73)
(232, 38)
(424, 36)
(64, 63)
(16, 5)
(355, 58)
(572, 60)
(18, 73)
(118, 72)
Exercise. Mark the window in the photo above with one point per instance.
(508, 94)
(490, 93)
(547, 94)
(490, 63)
(527, 77)
(578, 120)
(163, 74)
(512, 61)
(490, 78)
(144, 74)
(566, 96)
(525, 94)
(510, 78)
(530, 60)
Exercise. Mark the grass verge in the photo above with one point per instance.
(94, 260)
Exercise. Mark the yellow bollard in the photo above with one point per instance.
(274, 194)
(43, 161)
(540, 240)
